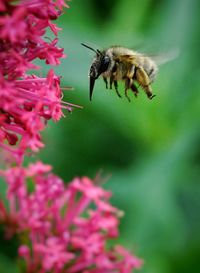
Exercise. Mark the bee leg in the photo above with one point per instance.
(113, 74)
(126, 94)
(134, 89)
(111, 81)
(127, 86)
(106, 82)
(116, 89)
(143, 79)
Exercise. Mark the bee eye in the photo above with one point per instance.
(104, 64)
(106, 61)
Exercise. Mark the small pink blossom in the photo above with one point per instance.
(55, 254)
(45, 8)
(2, 6)
(24, 251)
(13, 27)
(61, 227)
(50, 53)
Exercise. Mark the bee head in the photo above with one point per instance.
(99, 65)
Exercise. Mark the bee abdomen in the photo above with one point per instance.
(150, 68)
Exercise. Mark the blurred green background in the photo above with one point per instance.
(151, 148)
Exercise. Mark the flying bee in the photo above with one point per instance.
(119, 63)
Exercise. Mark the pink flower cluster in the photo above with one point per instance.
(65, 228)
(27, 101)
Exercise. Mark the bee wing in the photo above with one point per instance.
(163, 58)
(159, 59)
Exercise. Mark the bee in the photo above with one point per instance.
(122, 64)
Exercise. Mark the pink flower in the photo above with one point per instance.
(45, 8)
(24, 107)
(28, 101)
(55, 254)
(13, 27)
(2, 6)
(22, 30)
(64, 226)
(50, 52)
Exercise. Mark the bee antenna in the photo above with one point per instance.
(98, 52)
